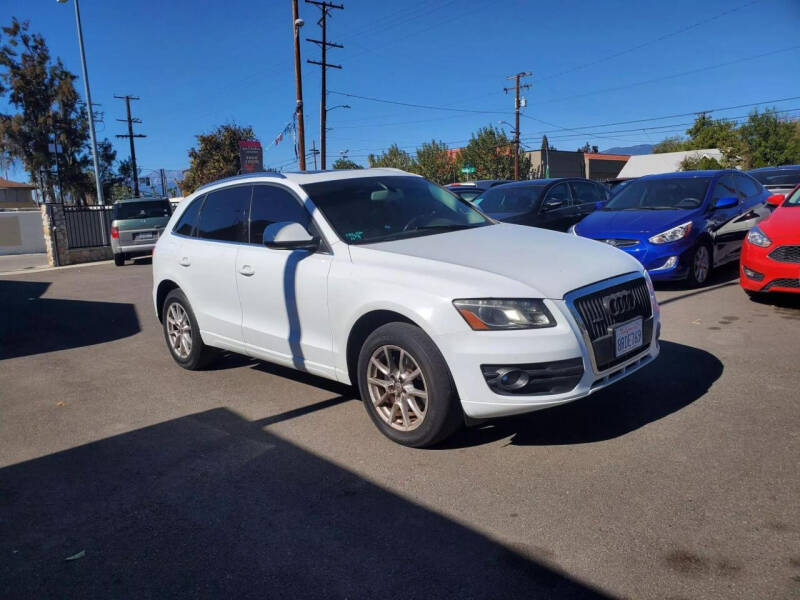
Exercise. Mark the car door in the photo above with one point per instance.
(207, 262)
(720, 221)
(557, 210)
(284, 293)
(587, 196)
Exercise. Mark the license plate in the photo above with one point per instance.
(628, 337)
(145, 236)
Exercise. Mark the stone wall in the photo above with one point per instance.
(55, 239)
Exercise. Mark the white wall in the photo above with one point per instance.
(21, 232)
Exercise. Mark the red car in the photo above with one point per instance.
(770, 260)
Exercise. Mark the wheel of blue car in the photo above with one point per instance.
(406, 386)
(700, 264)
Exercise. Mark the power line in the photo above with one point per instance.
(130, 135)
(649, 42)
(324, 44)
(425, 106)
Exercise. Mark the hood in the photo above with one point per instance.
(611, 223)
(548, 262)
(783, 225)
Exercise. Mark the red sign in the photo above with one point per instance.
(250, 156)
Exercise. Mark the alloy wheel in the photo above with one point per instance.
(179, 331)
(702, 264)
(397, 388)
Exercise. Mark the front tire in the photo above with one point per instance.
(700, 264)
(182, 333)
(406, 386)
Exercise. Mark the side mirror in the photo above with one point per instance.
(776, 199)
(600, 204)
(552, 204)
(726, 202)
(289, 235)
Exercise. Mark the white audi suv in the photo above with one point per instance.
(381, 279)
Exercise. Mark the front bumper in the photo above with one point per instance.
(465, 353)
(776, 276)
(655, 257)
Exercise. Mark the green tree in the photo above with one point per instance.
(392, 157)
(49, 111)
(546, 145)
(720, 134)
(433, 162)
(492, 154)
(770, 140)
(345, 163)
(216, 156)
(700, 163)
(670, 144)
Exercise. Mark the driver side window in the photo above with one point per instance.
(725, 188)
(558, 193)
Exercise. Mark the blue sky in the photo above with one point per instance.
(198, 64)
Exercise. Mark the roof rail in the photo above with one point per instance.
(241, 177)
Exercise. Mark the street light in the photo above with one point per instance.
(88, 102)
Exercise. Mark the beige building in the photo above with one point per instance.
(16, 195)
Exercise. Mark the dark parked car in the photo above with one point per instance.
(469, 190)
(778, 180)
(548, 203)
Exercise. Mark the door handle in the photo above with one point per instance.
(247, 270)
(185, 262)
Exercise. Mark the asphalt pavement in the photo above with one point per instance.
(124, 476)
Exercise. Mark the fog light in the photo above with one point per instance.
(512, 379)
(754, 275)
(668, 264)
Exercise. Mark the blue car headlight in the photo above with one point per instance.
(675, 234)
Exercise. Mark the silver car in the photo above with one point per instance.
(136, 225)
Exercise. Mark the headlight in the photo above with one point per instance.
(672, 235)
(572, 230)
(757, 237)
(491, 313)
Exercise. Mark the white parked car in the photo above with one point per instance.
(384, 280)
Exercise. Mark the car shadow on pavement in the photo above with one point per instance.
(678, 377)
(30, 324)
(211, 505)
(726, 274)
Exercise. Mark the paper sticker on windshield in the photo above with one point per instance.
(354, 236)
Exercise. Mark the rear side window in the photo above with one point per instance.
(587, 193)
(188, 221)
(224, 215)
(272, 204)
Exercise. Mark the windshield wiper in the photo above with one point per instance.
(452, 227)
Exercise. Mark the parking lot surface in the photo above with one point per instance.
(252, 481)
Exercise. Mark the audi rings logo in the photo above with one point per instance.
(619, 303)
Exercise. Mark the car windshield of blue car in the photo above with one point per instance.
(789, 177)
(661, 194)
(366, 210)
(504, 199)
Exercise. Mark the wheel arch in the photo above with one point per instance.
(361, 330)
(164, 288)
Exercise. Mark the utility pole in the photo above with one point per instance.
(314, 152)
(297, 23)
(324, 65)
(130, 135)
(516, 89)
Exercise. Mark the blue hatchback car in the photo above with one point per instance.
(680, 225)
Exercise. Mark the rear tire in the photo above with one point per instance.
(119, 259)
(182, 333)
(406, 386)
(700, 264)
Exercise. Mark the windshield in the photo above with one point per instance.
(509, 199)
(793, 199)
(376, 209)
(467, 194)
(660, 194)
(777, 176)
(147, 209)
